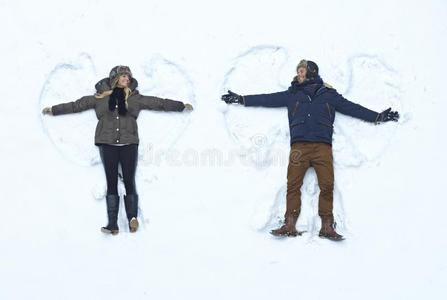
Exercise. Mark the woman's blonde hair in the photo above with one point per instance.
(104, 94)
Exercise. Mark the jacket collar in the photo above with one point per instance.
(104, 85)
(309, 87)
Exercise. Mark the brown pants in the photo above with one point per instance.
(302, 156)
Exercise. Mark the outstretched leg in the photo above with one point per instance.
(298, 165)
(110, 159)
(128, 160)
(322, 162)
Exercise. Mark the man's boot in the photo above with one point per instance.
(288, 229)
(113, 202)
(131, 204)
(328, 229)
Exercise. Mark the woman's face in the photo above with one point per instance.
(123, 80)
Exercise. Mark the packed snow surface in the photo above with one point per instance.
(212, 183)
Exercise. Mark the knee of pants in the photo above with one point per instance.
(294, 186)
(129, 185)
(112, 191)
(326, 188)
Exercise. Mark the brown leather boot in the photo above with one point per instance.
(328, 229)
(288, 229)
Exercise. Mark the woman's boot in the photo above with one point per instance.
(113, 202)
(131, 204)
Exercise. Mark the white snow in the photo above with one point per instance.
(212, 182)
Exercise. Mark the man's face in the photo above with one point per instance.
(123, 80)
(301, 72)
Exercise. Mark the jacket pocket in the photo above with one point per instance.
(135, 128)
(329, 110)
(132, 126)
(296, 123)
(297, 129)
(99, 127)
(326, 124)
(296, 108)
(324, 130)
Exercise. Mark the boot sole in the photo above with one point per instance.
(288, 234)
(108, 231)
(331, 238)
(133, 225)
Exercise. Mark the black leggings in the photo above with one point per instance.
(127, 156)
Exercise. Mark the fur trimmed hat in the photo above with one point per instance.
(116, 72)
(310, 66)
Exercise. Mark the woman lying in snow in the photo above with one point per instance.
(117, 104)
(311, 106)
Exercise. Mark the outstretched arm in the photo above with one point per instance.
(278, 99)
(84, 103)
(155, 103)
(355, 110)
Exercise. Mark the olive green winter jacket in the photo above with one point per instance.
(113, 128)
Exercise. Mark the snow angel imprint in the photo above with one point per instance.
(117, 104)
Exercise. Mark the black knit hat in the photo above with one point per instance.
(311, 68)
(116, 72)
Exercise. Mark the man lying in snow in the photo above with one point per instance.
(311, 106)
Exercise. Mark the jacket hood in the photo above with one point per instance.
(104, 85)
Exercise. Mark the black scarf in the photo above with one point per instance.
(118, 97)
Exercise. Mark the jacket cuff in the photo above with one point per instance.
(54, 110)
(377, 119)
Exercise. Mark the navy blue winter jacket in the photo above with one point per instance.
(311, 109)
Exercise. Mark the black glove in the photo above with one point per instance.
(232, 98)
(388, 115)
